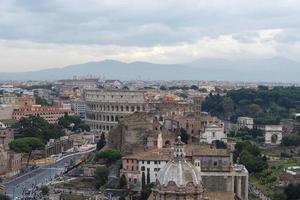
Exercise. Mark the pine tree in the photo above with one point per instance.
(123, 182)
(148, 177)
(143, 180)
(102, 142)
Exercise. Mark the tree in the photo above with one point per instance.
(148, 177)
(252, 163)
(36, 126)
(184, 135)
(4, 197)
(101, 175)
(44, 189)
(26, 145)
(228, 106)
(163, 87)
(250, 156)
(220, 144)
(143, 180)
(123, 182)
(111, 155)
(146, 191)
(194, 87)
(291, 140)
(102, 142)
(292, 192)
(41, 101)
(73, 123)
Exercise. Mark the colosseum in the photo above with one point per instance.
(105, 108)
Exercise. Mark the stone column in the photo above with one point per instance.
(239, 186)
(246, 187)
(232, 184)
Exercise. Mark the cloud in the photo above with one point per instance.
(39, 34)
(57, 55)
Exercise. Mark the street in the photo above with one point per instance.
(40, 176)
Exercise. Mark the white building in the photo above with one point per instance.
(78, 108)
(245, 122)
(144, 163)
(213, 132)
(273, 134)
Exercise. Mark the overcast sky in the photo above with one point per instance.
(39, 34)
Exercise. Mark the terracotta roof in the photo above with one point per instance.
(205, 150)
(154, 154)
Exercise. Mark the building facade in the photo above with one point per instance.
(213, 132)
(215, 166)
(178, 179)
(147, 163)
(6, 136)
(245, 122)
(25, 101)
(58, 146)
(78, 108)
(50, 114)
(105, 108)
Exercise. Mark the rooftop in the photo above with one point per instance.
(205, 150)
(154, 154)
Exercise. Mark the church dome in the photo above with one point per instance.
(178, 170)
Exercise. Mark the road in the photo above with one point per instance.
(40, 176)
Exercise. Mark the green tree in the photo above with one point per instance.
(73, 123)
(194, 87)
(44, 189)
(26, 145)
(184, 135)
(292, 192)
(163, 87)
(102, 142)
(41, 101)
(228, 107)
(146, 191)
(123, 182)
(143, 180)
(291, 140)
(101, 175)
(220, 144)
(252, 163)
(148, 177)
(4, 197)
(111, 155)
(36, 126)
(249, 155)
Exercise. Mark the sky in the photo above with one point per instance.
(40, 34)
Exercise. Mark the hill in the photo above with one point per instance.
(276, 69)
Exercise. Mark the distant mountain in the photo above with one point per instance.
(276, 69)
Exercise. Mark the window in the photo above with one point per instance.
(148, 162)
(214, 134)
(143, 168)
